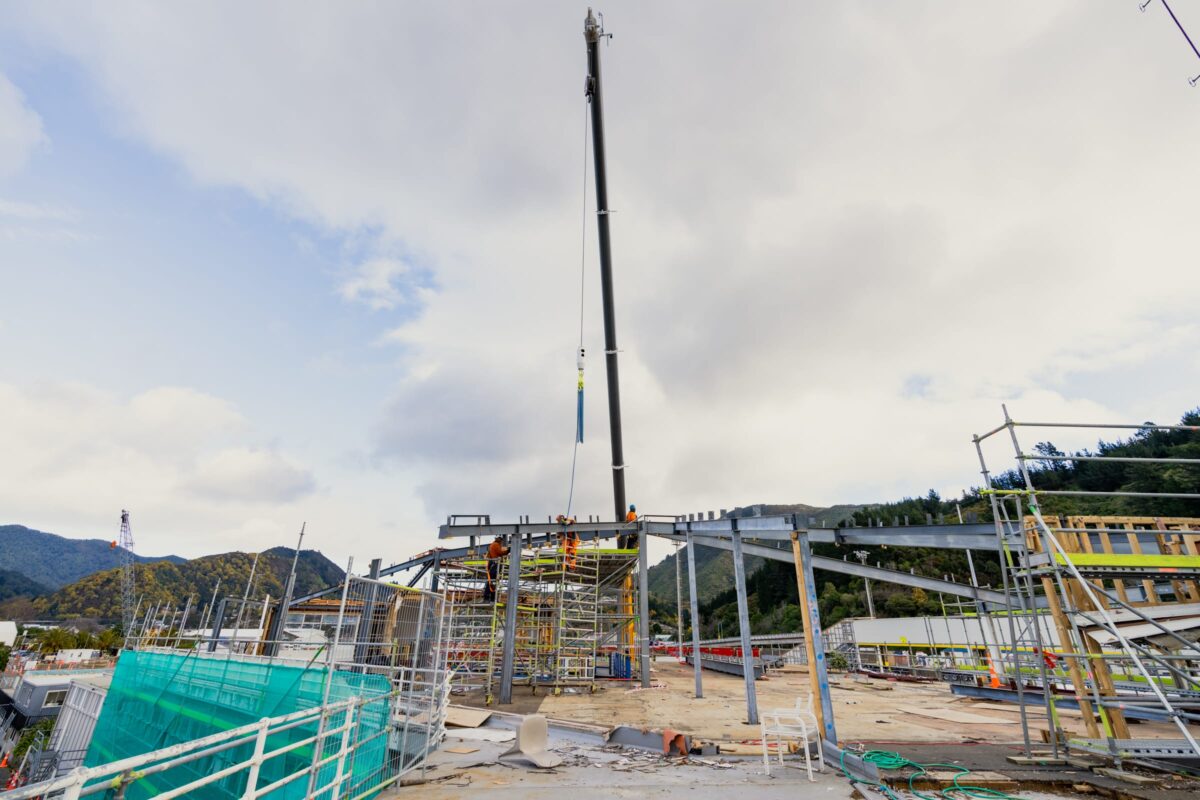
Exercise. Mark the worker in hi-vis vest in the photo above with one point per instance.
(496, 550)
(627, 541)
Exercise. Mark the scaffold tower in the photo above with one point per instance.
(571, 611)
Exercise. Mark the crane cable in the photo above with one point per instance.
(582, 286)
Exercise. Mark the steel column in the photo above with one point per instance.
(695, 604)
(814, 642)
(739, 581)
(218, 619)
(643, 622)
(510, 618)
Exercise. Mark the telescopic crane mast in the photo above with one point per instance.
(593, 32)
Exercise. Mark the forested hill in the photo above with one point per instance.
(13, 584)
(774, 606)
(99, 595)
(55, 561)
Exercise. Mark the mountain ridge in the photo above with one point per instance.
(99, 595)
(55, 561)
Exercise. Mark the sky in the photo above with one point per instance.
(279, 263)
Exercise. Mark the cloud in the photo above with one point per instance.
(254, 476)
(183, 460)
(382, 284)
(20, 129)
(843, 234)
(34, 212)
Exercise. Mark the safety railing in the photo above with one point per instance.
(337, 711)
(336, 736)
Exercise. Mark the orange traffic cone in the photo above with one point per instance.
(992, 672)
(4, 761)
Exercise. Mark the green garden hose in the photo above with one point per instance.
(886, 759)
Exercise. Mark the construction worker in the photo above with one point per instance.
(625, 541)
(496, 550)
(568, 540)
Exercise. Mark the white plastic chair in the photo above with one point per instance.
(792, 724)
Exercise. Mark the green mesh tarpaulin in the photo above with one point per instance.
(160, 699)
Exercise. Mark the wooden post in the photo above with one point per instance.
(1073, 662)
(814, 646)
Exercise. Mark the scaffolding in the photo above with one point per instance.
(1122, 596)
(574, 616)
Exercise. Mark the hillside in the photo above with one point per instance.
(714, 568)
(56, 561)
(771, 588)
(13, 584)
(99, 595)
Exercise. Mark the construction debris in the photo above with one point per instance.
(530, 746)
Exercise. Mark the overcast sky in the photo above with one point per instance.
(273, 262)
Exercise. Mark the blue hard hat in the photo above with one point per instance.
(632, 507)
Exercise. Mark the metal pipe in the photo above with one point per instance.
(739, 582)
(1145, 427)
(678, 606)
(592, 34)
(1132, 459)
(643, 623)
(695, 603)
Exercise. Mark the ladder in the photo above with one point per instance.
(576, 625)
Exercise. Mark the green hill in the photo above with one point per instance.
(55, 561)
(99, 595)
(14, 584)
(771, 586)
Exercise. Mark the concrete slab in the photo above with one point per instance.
(592, 772)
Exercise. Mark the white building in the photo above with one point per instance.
(8, 632)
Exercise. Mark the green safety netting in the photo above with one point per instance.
(161, 699)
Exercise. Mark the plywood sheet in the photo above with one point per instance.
(463, 717)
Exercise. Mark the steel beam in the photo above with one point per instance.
(694, 600)
(777, 528)
(510, 618)
(739, 582)
(643, 622)
(864, 571)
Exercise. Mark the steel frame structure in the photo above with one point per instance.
(1059, 557)
(570, 609)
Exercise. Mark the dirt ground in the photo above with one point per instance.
(865, 709)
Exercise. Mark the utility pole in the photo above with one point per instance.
(862, 556)
(592, 34)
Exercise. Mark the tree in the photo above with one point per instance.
(110, 640)
(52, 640)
